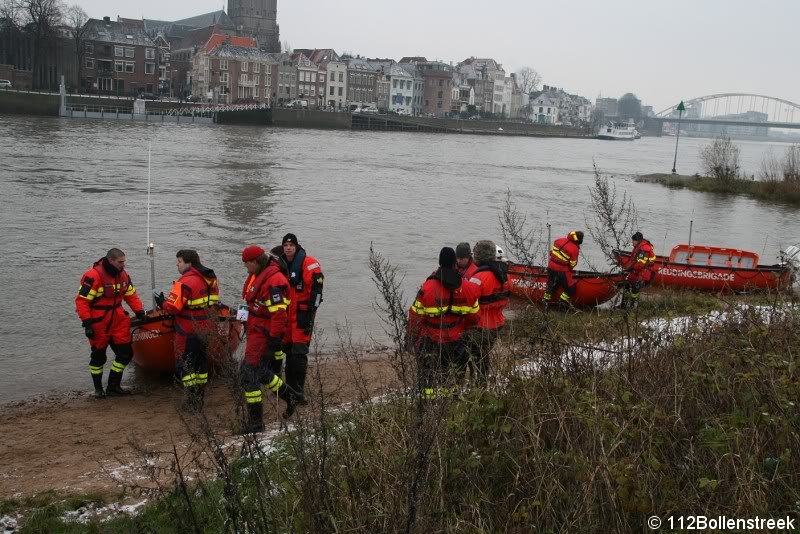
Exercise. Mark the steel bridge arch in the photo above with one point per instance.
(665, 113)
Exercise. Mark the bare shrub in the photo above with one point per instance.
(720, 159)
(614, 216)
(791, 164)
(523, 240)
(770, 170)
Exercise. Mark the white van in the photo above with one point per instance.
(5, 84)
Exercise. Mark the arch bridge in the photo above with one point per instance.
(742, 113)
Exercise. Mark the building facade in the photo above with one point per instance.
(361, 84)
(119, 59)
(438, 83)
(401, 89)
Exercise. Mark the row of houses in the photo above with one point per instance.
(205, 57)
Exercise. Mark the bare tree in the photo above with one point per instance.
(615, 217)
(41, 19)
(11, 14)
(76, 20)
(287, 48)
(720, 159)
(528, 79)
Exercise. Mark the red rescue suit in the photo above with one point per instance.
(495, 290)
(266, 295)
(99, 301)
(305, 296)
(189, 301)
(441, 314)
(642, 263)
(563, 259)
(469, 271)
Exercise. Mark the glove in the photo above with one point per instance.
(87, 328)
(160, 298)
(141, 315)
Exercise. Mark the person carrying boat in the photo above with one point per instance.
(491, 277)
(464, 263)
(99, 306)
(641, 270)
(446, 306)
(563, 259)
(305, 293)
(265, 291)
(190, 301)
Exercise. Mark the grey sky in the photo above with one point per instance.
(663, 51)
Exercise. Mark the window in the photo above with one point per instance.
(440, 94)
(332, 90)
(223, 64)
(89, 47)
(268, 70)
(321, 78)
(394, 83)
(242, 78)
(128, 52)
(255, 92)
(341, 76)
(257, 67)
(256, 79)
(119, 66)
(245, 66)
(541, 109)
(223, 77)
(439, 105)
(119, 51)
(313, 90)
(149, 68)
(89, 63)
(149, 53)
(162, 73)
(341, 90)
(129, 67)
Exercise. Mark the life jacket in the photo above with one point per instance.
(306, 282)
(103, 289)
(266, 293)
(191, 297)
(495, 291)
(469, 271)
(445, 307)
(643, 260)
(564, 254)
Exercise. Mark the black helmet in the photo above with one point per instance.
(637, 236)
(577, 236)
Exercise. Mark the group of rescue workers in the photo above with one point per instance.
(453, 324)
(283, 290)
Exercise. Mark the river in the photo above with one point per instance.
(71, 189)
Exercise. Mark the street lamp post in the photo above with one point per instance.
(681, 109)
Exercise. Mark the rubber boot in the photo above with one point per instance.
(292, 399)
(114, 389)
(99, 393)
(255, 419)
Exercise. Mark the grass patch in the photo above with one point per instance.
(787, 192)
(707, 422)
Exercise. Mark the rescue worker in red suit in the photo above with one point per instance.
(104, 321)
(641, 270)
(305, 293)
(464, 264)
(446, 306)
(563, 259)
(190, 301)
(266, 292)
(491, 277)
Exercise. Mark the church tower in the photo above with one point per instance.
(259, 19)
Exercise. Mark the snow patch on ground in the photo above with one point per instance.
(8, 524)
(90, 512)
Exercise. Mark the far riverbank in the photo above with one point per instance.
(784, 192)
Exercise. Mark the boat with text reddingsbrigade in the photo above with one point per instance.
(707, 268)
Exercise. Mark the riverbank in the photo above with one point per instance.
(774, 191)
(600, 405)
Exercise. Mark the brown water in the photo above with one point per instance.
(71, 189)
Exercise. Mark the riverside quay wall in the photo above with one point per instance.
(33, 103)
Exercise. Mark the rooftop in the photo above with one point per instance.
(109, 31)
